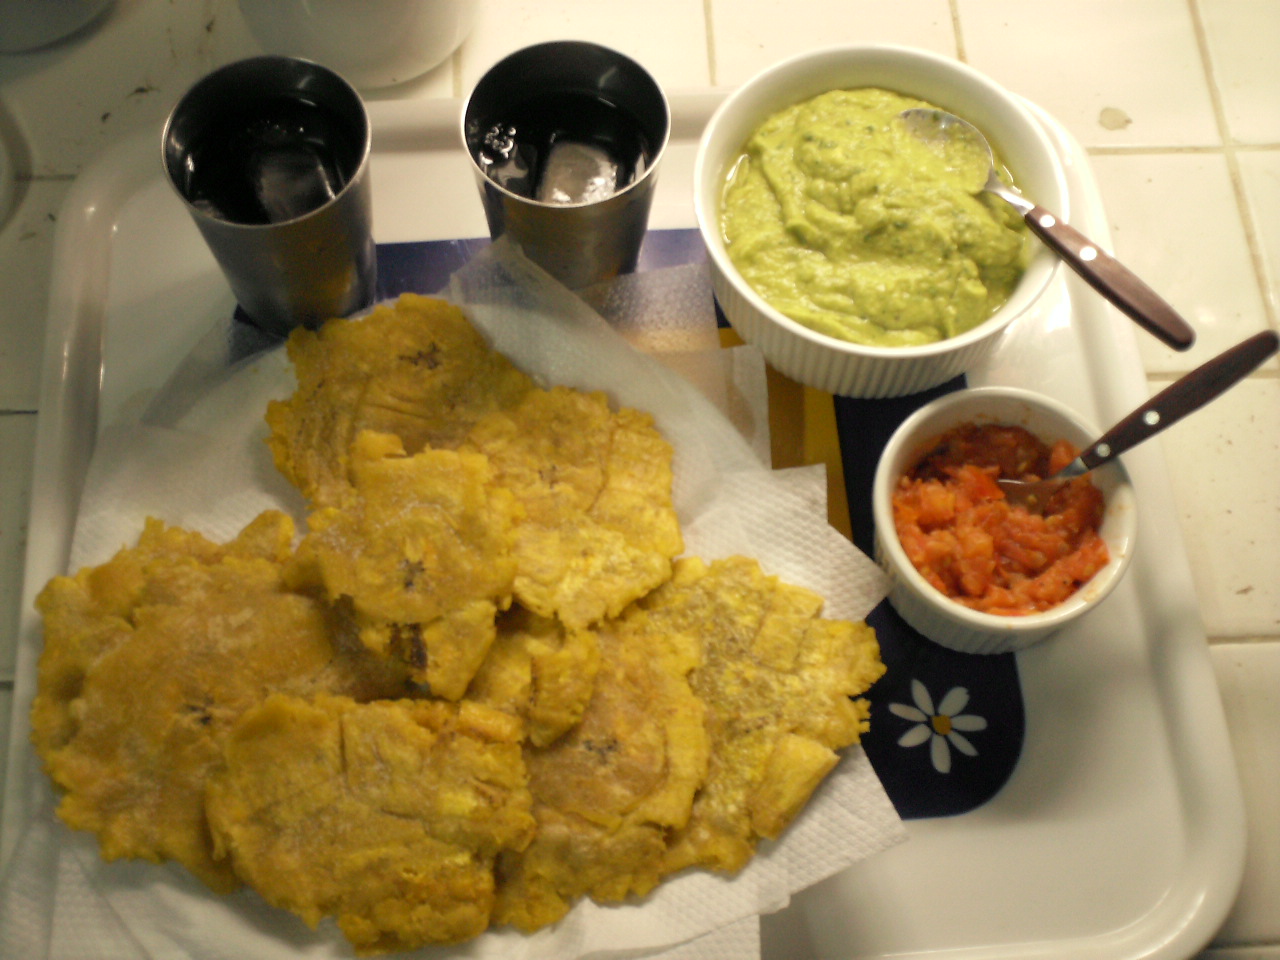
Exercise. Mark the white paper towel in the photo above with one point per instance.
(210, 470)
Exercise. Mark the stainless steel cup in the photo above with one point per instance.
(578, 241)
(310, 259)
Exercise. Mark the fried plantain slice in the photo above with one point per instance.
(88, 614)
(778, 683)
(539, 670)
(384, 815)
(608, 792)
(421, 549)
(599, 528)
(416, 369)
(197, 634)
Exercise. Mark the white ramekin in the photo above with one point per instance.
(813, 358)
(926, 608)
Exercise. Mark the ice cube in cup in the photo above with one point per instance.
(578, 173)
(291, 180)
(268, 161)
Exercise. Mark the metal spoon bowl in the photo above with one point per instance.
(1185, 395)
(1102, 271)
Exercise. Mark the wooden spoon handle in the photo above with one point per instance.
(1183, 396)
(1112, 279)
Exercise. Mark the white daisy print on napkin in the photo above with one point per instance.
(944, 727)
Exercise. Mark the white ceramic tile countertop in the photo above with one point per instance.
(1177, 103)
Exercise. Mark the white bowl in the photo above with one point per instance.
(926, 608)
(372, 45)
(30, 26)
(815, 359)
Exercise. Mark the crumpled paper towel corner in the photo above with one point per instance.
(210, 470)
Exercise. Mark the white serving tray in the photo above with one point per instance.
(1121, 831)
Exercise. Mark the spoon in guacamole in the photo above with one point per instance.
(1102, 271)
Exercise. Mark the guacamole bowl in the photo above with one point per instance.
(970, 627)
(806, 352)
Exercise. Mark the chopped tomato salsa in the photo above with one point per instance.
(975, 546)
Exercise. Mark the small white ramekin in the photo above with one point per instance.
(926, 608)
(815, 359)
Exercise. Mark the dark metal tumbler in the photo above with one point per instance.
(299, 271)
(577, 243)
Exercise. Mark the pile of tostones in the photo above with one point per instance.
(479, 687)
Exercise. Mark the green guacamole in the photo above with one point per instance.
(847, 223)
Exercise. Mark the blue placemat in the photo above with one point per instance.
(946, 728)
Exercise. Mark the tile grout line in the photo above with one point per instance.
(957, 33)
(1169, 376)
(1229, 154)
(455, 73)
(707, 21)
(1174, 150)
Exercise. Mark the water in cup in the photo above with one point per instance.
(275, 160)
(565, 139)
(270, 156)
(564, 147)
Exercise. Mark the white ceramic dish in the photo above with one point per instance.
(824, 362)
(31, 25)
(1121, 832)
(930, 611)
(372, 45)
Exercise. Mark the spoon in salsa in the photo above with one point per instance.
(1185, 395)
(1102, 271)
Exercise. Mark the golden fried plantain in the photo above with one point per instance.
(384, 815)
(540, 671)
(421, 549)
(599, 528)
(609, 791)
(416, 369)
(481, 689)
(88, 614)
(777, 681)
(198, 635)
